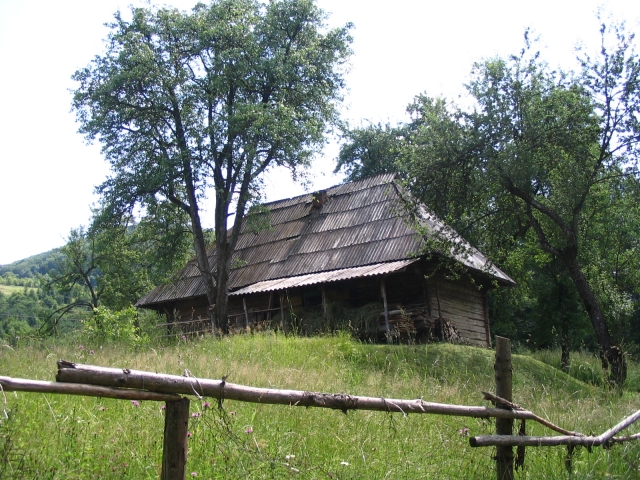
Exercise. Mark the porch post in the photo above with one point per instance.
(246, 314)
(324, 301)
(383, 291)
(281, 312)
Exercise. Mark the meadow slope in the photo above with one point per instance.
(58, 436)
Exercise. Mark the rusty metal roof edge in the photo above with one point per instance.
(141, 304)
(325, 277)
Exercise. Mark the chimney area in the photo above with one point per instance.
(319, 199)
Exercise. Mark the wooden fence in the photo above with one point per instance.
(90, 380)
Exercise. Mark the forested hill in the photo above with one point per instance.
(29, 267)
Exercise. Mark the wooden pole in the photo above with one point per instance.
(324, 302)
(575, 439)
(485, 307)
(174, 449)
(554, 441)
(282, 322)
(246, 313)
(219, 389)
(504, 389)
(10, 384)
(383, 292)
(439, 322)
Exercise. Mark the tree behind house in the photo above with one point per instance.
(543, 159)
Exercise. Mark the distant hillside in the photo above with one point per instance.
(31, 266)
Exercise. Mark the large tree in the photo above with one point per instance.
(533, 157)
(182, 102)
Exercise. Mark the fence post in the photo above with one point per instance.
(504, 389)
(174, 449)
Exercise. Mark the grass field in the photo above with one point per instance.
(58, 436)
(9, 289)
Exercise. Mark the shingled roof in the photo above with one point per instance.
(356, 229)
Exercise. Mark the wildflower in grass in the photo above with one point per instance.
(81, 347)
(464, 432)
(188, 434)
(194, 474)
(249, 430)
(90, 352)
(206, 405)
(232, 413)
(135, 403)
(195, 414)
(163, 407)
(102, 409)
(183, 337)
(346, 464)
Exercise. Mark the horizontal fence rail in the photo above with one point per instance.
(221, 390)
(26, 385)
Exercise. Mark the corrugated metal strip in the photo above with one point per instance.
(359, 199)
(362, 184)
(361, 216)
(182, 288)
(286, 230)
(324, 277)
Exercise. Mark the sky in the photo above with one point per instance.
(401, 48)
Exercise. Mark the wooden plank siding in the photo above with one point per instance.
(462, 303)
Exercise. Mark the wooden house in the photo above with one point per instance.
(352, 251)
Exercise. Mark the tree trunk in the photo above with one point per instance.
(223, 260)
(224, 252)
(611, 355)
(192, 207)
(565, 362)
(564, 330)
(226, 239)
(203, 262)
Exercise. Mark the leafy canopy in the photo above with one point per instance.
(182, 102)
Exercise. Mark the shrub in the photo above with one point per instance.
(119, 325)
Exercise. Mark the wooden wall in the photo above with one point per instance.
(463, 304)
(410, 297)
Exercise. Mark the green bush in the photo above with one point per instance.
(120, 325)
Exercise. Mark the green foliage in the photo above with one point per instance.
(114, 263)
(369, 151)
(541, 174)
(113, 326)
(258, 219)
(184, 101)
(20, 314)
(30, 268)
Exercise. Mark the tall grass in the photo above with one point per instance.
(57, 436)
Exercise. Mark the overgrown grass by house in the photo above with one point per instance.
(56, 436)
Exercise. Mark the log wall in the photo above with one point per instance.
(462, 304)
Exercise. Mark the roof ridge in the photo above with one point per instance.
(371, 179)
